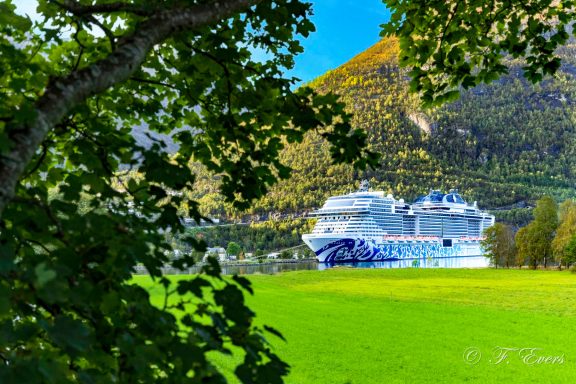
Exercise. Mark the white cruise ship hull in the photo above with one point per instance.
(369, 226)
(345, 249)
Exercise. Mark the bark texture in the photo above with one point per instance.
(64, 94)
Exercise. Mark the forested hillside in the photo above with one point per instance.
(500, 144)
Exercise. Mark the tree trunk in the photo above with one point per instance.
(64, 94)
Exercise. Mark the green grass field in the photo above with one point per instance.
(414, 325)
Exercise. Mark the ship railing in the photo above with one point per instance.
(472, 238)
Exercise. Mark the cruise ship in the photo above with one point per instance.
(372, 226)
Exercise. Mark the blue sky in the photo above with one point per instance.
(344, 28)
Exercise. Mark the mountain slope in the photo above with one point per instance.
(501, 143)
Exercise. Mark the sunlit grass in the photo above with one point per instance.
(413, 325)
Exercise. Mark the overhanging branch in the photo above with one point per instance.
(64, 94)
(78, 9)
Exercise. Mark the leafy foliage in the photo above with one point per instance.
(233, 249)
(534, 241)
(79, 221)
(462, 43)
(499, 245)
(565, 232)
(569, 251)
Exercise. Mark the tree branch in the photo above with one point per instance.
(40, 160)
(77, 9)
(153, 82)
(106, 31)
(64, 94)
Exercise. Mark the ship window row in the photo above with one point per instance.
(341, 203)
(388, 216)
(356, 225)
(388, 219)
(351, 217)
(330, 222)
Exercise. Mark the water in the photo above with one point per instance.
(269, 269)
(274, 268)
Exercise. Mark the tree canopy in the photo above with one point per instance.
(462, 43)
(534, 241)
(75, 222)
(565, 232)
(499, 245)
(233, 249)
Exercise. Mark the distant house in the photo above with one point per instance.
(273, 255)
(218, 252)
(215, 250)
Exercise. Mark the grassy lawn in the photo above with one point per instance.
(414, 325)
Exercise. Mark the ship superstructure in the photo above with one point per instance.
(370, 226)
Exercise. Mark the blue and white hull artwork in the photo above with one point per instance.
(367, 226)
(333, 250)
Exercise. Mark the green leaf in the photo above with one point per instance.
(71, 334)
(44, 274)
(274, 332)
(4, 299)
(8, 17)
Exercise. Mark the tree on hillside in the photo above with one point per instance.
(534, 241)
(74, 84)
(565, 232)
(499, 245)
(285, 254)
